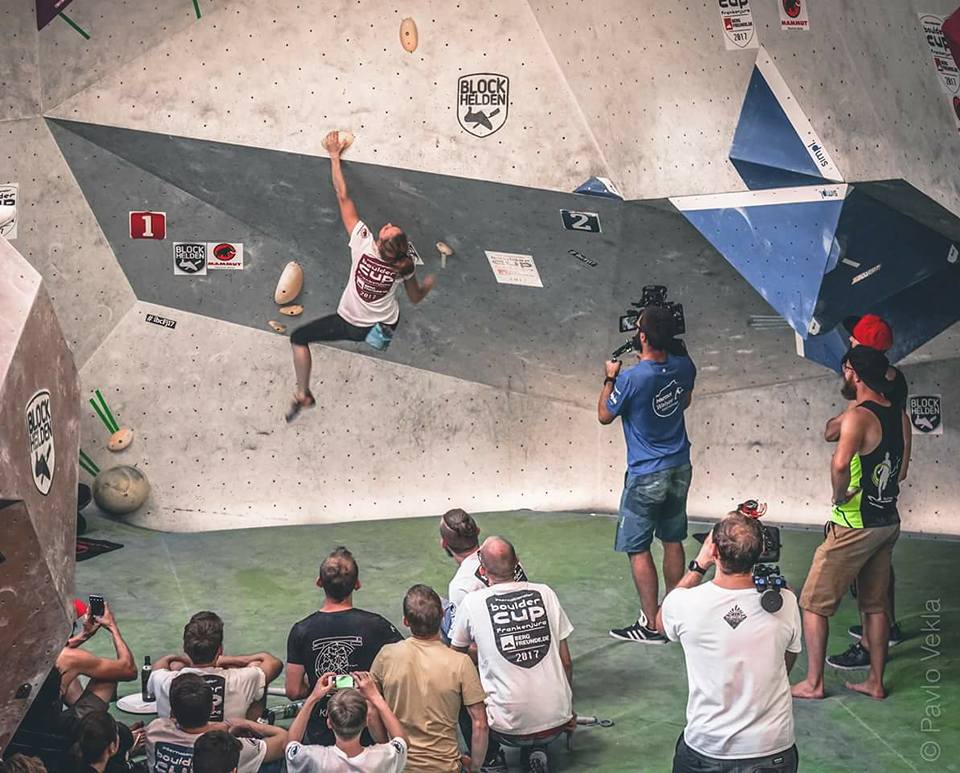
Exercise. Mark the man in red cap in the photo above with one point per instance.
(874, 332)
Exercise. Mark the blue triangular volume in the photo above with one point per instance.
(782, 249)
(766, 138)
(599, 186)
(935, 297)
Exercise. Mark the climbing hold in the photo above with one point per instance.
(292, 311)
(120, 490)
(120, 439)
(277, 327)
(408, 35)
(445, 251)
(346, 139)
(290, 284)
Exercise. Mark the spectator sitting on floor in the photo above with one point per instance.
(238, 682)
(170, 740)
(738, 655)
(53, 719)
(426, 685)
(349, 711)
(102, 746)
(459, 538)
(338, 638)
(21, 763)
(216, 751)
(521, 634)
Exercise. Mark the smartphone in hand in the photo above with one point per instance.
(96, 605)
(343, 682)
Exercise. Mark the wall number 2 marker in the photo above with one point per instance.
(588, 222)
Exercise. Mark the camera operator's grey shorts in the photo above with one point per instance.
(653, 505)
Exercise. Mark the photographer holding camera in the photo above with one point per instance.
(651, 399)
(738, 656)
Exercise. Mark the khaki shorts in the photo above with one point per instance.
(846, 555)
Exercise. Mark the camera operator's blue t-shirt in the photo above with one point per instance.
(649, 398)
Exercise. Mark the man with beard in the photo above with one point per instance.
(864, 525)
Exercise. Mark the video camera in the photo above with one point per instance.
(652, 295)
(766, 578)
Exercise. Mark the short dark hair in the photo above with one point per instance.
(216, 751)
(658, 325)
(459, 531)
(21, 763)
(396, 247)
(739, 541)
(423, 610)
(338, 574)
(202, 637)
(191, 700)
(347, 711)
(96, 732)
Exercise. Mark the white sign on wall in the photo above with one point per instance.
(948, 72)
(739, 31)
(512, 269)
(9, 193)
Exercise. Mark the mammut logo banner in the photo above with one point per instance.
(520, 626)
(793, 15)
(483, 102)
(668, 399)
(40, 432)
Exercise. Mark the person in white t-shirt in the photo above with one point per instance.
(369, 309)
(170, 740)
(459, 538)
(738, 655)
(348, 713)
(521, 633)
(238, 681)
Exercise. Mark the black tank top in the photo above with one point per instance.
(880, 469)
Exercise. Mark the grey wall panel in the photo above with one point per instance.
(548, 341)
(120, 31)
(19, 63)
(60, 237)
(206, 401)
(341, 65)
(768, 444)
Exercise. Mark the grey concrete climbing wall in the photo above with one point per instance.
(504, 377)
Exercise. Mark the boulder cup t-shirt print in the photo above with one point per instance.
(521, 627)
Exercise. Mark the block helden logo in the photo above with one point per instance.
(43, 458)
(483, 102)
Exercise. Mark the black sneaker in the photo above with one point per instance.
(856, 658)
(895, 638)
(499, 765)
(537, 762)
(639, 633)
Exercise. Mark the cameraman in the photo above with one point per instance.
(651, 398)
(739, 708)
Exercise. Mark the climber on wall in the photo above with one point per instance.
(369, 309)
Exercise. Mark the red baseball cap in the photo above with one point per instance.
(870, 330)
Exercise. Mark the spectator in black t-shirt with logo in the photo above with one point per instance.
(874, 332)
(337, 639)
